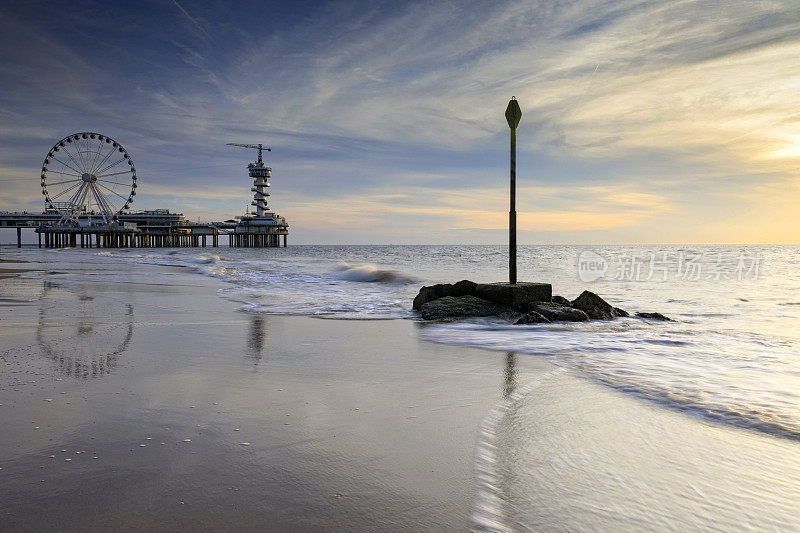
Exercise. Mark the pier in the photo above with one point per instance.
(88, 182)
(148, 229)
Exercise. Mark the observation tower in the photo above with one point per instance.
(262, 227)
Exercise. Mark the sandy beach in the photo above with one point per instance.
(151, 404)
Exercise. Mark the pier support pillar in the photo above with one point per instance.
(19, 237)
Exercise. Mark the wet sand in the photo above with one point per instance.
(576, 456)
(137, 398)
(13, 272)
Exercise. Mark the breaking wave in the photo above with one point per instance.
(368, 273)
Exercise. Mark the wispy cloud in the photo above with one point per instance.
(637, 115)
(191, 19)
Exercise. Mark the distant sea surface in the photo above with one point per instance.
(730, 356)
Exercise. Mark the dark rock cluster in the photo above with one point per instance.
(533, 301)
(434, 292)
(519, 296)
(462, 307)
(653, 316)
(553, 312)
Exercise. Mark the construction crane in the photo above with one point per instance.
(257, 146)
(260, 174)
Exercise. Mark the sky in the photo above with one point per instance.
(643, 122)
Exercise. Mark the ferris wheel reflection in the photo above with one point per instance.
(82, 336)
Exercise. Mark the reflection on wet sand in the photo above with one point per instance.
(507, 434)
(257, 338)
(510, 381)
(101, 333)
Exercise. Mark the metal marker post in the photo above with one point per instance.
(513, 115)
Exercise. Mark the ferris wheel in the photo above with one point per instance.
(88, 174)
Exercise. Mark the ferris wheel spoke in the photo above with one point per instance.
(100, 159)
(106, 201)
(114, 183)
(98, 203)
(64, 173)
(63, 182)
(78, 199)
(114, 174)
(106, 208)
(97, 155)
(100, 206)
(87, 155)
(112, 192)
(114, 186)
(73, 200)
(64, 191)
(80, 155)
(66, 165)
(112, 165)
(103, 162)
(89, 207)
(66, 151)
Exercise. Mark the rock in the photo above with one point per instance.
(434, 292)
(460, 307)
(560, 313)
(532, 317)
(520, 296)
(561, 300)
(594, 306)
(654, 316)
(620, 312)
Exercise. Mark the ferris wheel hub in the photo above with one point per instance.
(88, 177)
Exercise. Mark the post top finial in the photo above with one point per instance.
(513, 113)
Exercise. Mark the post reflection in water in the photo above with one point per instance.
(510, 374)
(257, 338)
(507, 436)
(89, 345)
